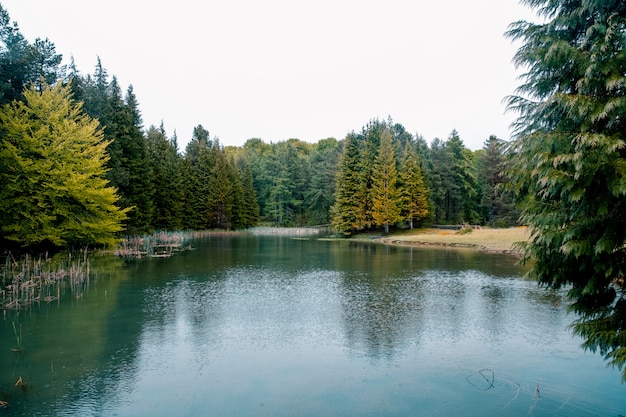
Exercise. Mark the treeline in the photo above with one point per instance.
(382, 176)
(52, 179)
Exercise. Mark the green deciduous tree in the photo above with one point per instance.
(53, 189)
(569, 160)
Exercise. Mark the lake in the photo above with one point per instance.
(273, 326)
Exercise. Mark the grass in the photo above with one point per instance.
(483, 239)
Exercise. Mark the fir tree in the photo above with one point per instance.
(347, 214)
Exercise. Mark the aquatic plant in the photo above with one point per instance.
(158, 244)
(18, 338)
(29, 280)
(290, 231)
(162, 244)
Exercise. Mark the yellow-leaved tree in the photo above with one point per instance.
(53, 190)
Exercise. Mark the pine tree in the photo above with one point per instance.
(22, 64)
(569, 160)
(53, 187)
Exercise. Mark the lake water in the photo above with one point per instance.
(259, 326)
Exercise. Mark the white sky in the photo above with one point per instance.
(280, 69)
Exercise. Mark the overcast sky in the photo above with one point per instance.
(280, 69)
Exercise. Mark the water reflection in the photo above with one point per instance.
(258, 326)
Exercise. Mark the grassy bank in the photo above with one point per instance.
(483, 239)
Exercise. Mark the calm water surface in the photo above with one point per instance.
(253, 326)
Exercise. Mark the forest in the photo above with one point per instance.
(377, 177)
(78, 168)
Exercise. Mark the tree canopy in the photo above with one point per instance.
(379, 177)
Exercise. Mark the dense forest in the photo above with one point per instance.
(77, 167)
(378, 177)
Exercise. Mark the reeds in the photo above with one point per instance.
(157, 245)
(30, 280)
(162, 244)
(290, 231)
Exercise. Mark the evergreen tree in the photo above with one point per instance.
(463, 202)
(256, 154)
(569, 160)
(455, 193)
(167, 180)
(96, 94)
(385, 197)
(45, 65)
(197, 165)
(431, 179)
(53, 189)
(288, 172)
(347, 213)
(140, 190)
(23, 65)
(370, 145)
(413, 191)
(444, 187)
(320, 195)
(245, 207)
(497, 204)
(250, 208)
(221, 186)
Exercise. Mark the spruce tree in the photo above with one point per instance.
(167, 180)
(347, 215)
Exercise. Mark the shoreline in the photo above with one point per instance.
(485, 240)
